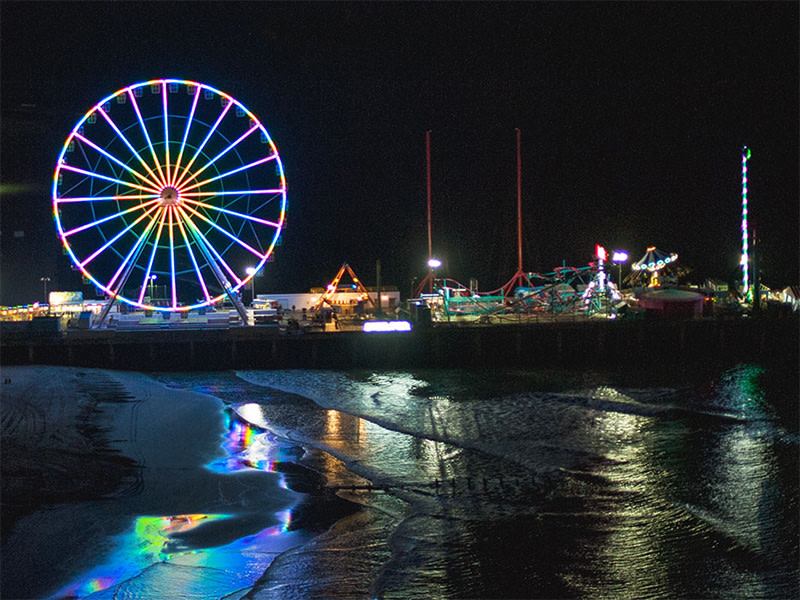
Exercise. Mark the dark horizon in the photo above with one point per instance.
(632, 120)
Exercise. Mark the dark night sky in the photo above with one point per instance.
(632, 116)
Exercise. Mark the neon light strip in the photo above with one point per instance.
(234, 213)
(121, 136)
(116, 160)
(745, 233)
(225, 232)
(108, 218)
(194, 260)
(221, 154)
(197, 152)
(209, 246)
(186, 132)
(162, 217)
(232, 172)
(139, 242)
(232, 193)
(147, 137)
(172, 257)
(111, 179)
(166, 128)
(106, 198)
(115, 238)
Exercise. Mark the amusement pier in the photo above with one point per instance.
(173, 221)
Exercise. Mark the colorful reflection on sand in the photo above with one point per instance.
(165, 553)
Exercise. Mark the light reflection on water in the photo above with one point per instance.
(136, 567)
(686, 491)
(507, 484)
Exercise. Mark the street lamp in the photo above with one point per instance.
(152, 278)
(45, 280)
(433, 264)
(252, 272)
(619, 257)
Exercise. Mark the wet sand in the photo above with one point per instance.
(87, 452)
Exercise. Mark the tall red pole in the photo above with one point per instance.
(519, 205)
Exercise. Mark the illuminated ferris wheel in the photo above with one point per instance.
(169, 185)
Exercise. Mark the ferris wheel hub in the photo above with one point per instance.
(170, 196)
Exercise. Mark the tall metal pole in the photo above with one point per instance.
(519, 205)
(428, 178)
(379, 312)
(428, 162)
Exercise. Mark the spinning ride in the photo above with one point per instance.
(653, 262)
(171, 181)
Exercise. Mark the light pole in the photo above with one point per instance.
(252, 272)
(433, 264)
(152, 278)
(45, 280)
(619, 257)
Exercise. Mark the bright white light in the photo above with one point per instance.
(619, 256)
(250, 270)
(434, 263)
(386, 326)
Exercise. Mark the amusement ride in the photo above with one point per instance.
(174, 182)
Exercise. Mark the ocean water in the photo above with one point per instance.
(478, 484)
(536, 484)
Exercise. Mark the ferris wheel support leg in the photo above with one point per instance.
(226, 285)
(237, 303)
(120, 286)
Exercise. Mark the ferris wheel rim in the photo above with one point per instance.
(174, 192)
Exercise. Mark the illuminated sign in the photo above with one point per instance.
(386, 326)
(59, 298)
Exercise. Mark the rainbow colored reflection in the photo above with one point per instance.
(144, 556)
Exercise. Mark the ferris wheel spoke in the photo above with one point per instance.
(199, 149)
(161, 216)
(189, 250)
(186, 134)
(232, 172)
(107, 198)
(208, 246)
(226, 233)
(174, 291)
(230, 147)
(108, 218)
(110, 242)
(273, 191)
(135, 105)
(106, 178)
(133, 255)
(244, 216)
(166, 129)
(113, 158)
(154, 178)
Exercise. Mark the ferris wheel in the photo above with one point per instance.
(169, 195)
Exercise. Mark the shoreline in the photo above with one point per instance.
(68, 430)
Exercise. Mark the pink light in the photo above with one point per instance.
(232, 172)
(179, 182)
(147, 137)
(121, 136)
(186, 133)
